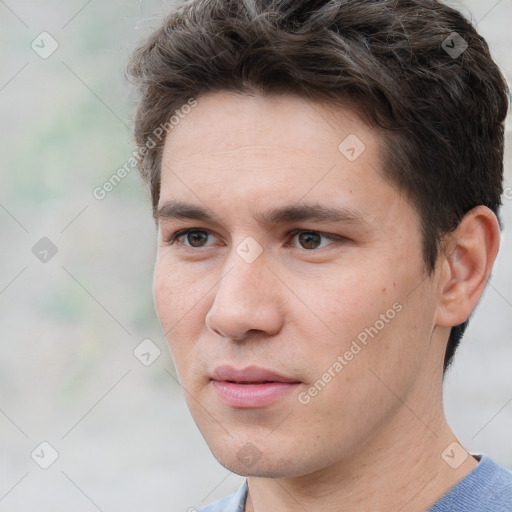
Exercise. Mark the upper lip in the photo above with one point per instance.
(248, 374)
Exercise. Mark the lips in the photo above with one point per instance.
(249, 375)
(251, 387)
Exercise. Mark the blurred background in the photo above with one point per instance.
(90, 419)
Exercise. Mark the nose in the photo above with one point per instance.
(247, 299)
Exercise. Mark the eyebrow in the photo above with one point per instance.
(313, 212)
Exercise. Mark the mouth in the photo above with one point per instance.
(251, 387)
(249, 382)
(249, 375)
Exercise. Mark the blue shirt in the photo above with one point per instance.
(487, 488)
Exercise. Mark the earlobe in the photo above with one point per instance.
(468, 256)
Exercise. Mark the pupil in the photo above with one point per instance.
(309, 240)
(195, 236)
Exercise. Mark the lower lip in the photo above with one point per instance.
(252, 395)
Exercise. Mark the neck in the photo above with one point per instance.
(399, 468)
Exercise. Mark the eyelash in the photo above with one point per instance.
(178, 234)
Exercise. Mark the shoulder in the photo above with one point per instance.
(233, 503)
(488, 487)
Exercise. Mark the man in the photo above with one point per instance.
(326, 180)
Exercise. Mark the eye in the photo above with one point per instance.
(195, 237)
(311, 240)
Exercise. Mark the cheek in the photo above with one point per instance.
(177, 303)
(168, 305)
(343, 303)
(369, 318)
(178, 289)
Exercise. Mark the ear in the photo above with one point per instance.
(466, 263)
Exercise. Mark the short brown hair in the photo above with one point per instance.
(399, 63)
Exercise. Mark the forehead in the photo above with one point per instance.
(244, 150)
(225, 121)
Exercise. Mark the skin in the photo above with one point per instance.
(373, 437)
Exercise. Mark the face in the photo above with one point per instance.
(292, 305)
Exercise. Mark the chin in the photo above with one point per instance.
(270, 462)
(262, 469)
